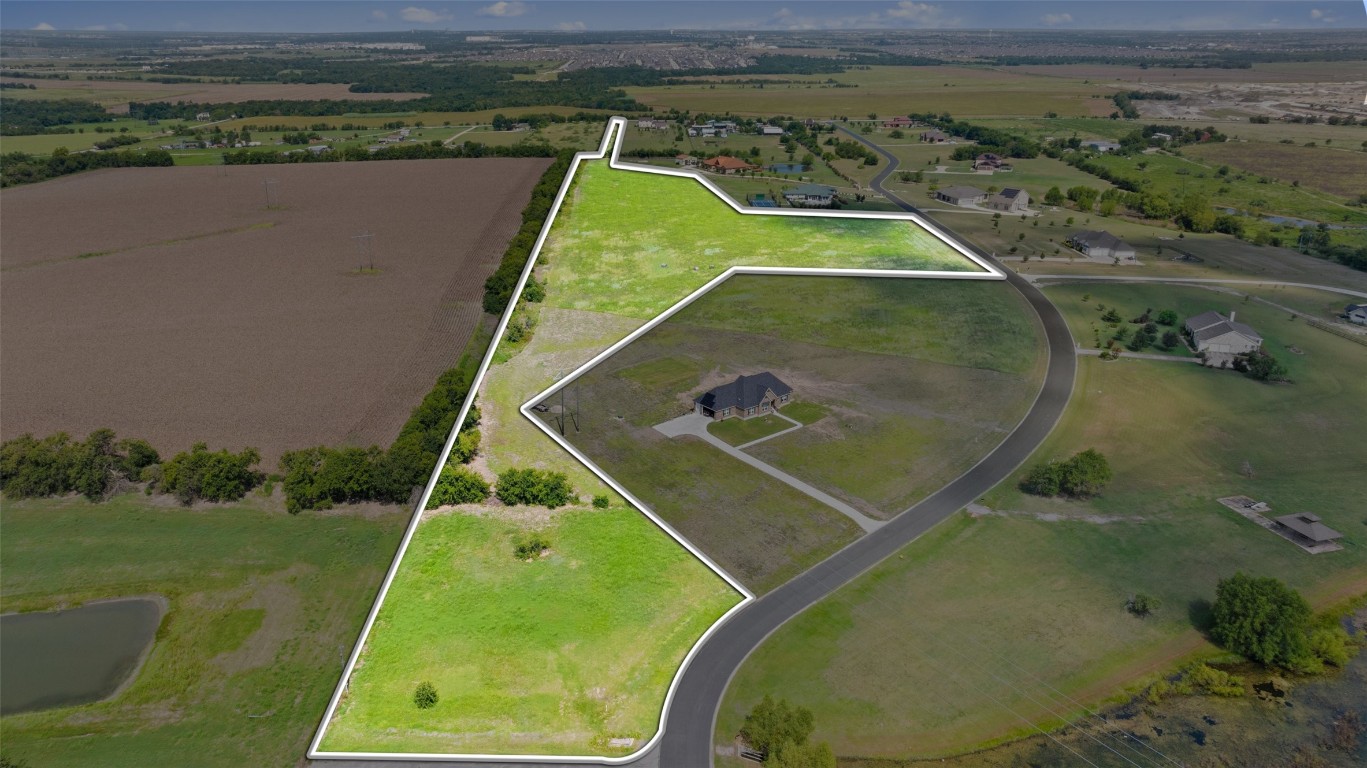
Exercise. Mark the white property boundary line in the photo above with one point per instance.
(613, 135)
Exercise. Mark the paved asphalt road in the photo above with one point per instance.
(687, 741)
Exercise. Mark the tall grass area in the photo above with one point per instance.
(1022, 606)
(634, 243)
(553, 656)
(264, 607)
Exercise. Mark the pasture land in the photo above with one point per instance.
(264, 608)
(211, 316)
(553, 656)
(1338, 172)
(963, 91)
(114, 95)
(902, 384)
(1021, 603)
(682, 235)
(1220, 256)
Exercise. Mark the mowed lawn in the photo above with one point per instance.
(634, 243)
(741, 431)
(551, 656)
(264, 608)
(1022, 607)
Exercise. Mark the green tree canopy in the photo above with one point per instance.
(1262, 619)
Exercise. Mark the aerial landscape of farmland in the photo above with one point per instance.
(876, 384)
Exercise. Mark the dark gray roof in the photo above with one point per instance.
(744, 392)
(1209, 325)
(962, 192)
(1310, 527)
(1354, 307)
(1098, 238)
(810, 190)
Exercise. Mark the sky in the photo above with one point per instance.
(741, 15)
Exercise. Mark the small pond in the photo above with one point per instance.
(788, 168)
(75, 656)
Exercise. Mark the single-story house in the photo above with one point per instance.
(727, 164)
(809, 195)
(319, 149)
(652, 125)
(771, 130)
(1101, 146)
(1213, 332)
(1308, 526)
(1356, 313)
(204, 117)
(935, 136)
(989, 161)
(1160, 136)
(899, 122)
(1101, 244)
(686, 161)
(961, 195)
(745, 397)
(1010, 199)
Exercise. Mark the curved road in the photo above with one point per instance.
(687, 741)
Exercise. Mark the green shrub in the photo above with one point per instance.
(210, 476)
(1263, 620)
(600, 501)
(458, 485)
(1143, 605)
(534, 487)
(773, 725)
(1082, 476)
(531, 547)
(58, 465)
(425, 695)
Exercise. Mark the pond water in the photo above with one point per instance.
(76, 656)
(1287, 220)
(788, 168)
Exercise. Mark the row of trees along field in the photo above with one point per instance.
(22, 168)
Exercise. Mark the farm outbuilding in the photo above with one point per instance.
(1307, 529)
(747, 396)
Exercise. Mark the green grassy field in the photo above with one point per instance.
(742, 431)
(923, 655)
(961, 91)
(264, 608)
(901, 385)
(1338, 172)
(553, 656)
(682, 235)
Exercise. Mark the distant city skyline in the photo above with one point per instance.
(343, 16)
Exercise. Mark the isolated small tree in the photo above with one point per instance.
(425, 695)
(600, 501)
(772, 724)
(1142, 604)
(1171, 339)
(1167, 317)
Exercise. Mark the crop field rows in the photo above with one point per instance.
(242, 323)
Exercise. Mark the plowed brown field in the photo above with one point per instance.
(173, 304)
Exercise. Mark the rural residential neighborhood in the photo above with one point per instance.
(870, 384)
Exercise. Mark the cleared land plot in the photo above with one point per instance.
(596, 224)
(1341, 172)
(263, 608)
(114, 95)
(633, 243)
(920, 656)
(171, 304)
(901, 384)
(553, 656)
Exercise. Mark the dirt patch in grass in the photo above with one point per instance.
(212, 318)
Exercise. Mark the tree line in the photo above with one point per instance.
(25, 117)
(24, 168)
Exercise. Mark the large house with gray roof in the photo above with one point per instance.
(1213, 333)
(747, 396)
(809, 195)
(1101, 244)
(962, 196)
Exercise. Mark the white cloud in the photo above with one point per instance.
(43, 26)
(571, 26)
(379, 15)
(1324, 16)
(914, 11)
(120, 26)
(423, 15)
(504, 8)
(1054, 19)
